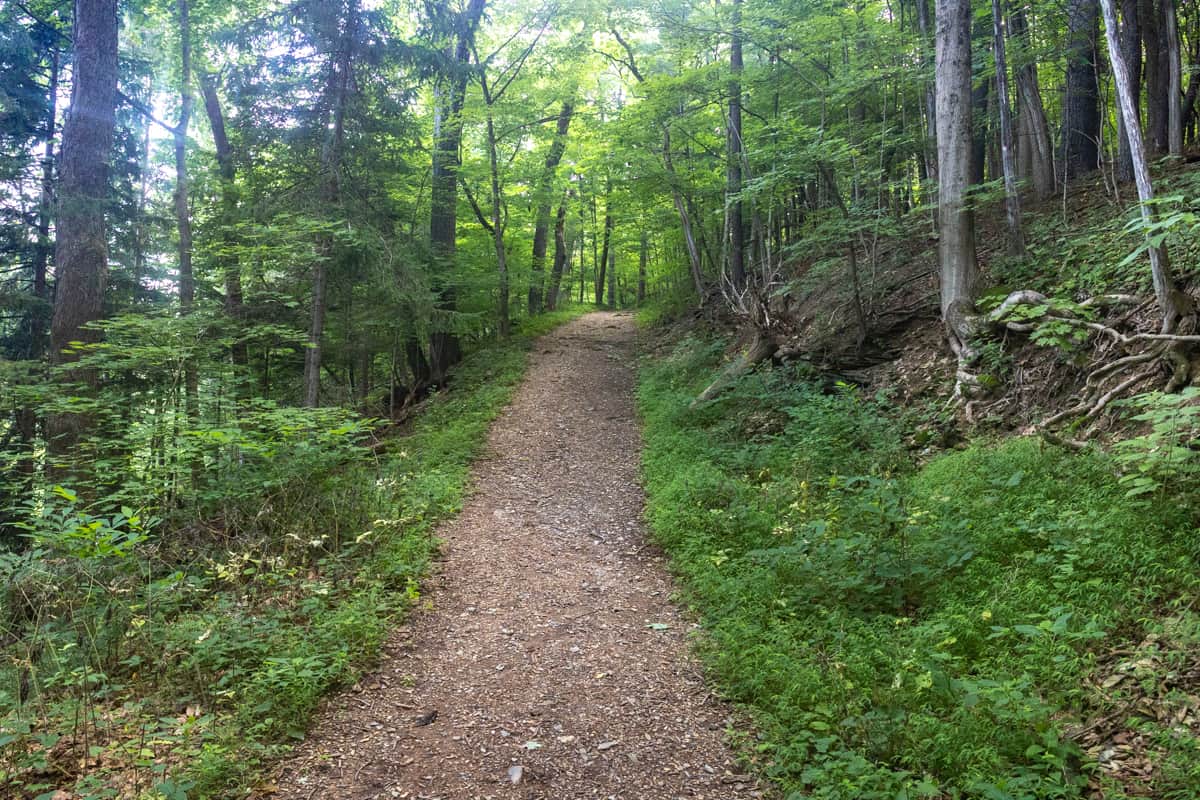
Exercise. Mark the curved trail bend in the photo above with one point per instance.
(552, 645)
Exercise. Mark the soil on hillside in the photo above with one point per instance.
(549, 661)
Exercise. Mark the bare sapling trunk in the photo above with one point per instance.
(1012, 197)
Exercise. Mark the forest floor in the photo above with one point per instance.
(547, 659)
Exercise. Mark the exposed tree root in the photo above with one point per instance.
(1174, 347)
(760, 349)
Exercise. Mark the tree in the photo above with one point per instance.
(1171, 304)
(445, 349)
(231, 270)
(338, 86)
(1035, 148)
(733, 181)
(542, 219)
(956, 222)
(562, 253)
(1012, 198)
(81, 247)
(1081, 106)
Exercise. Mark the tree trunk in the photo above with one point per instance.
(1131, 53)
(612, 277)
(643, 256)
(733, 181)
(337, 91)
(1012, 198)
(956, 223)
(601, 264)
(1032, 111)
(1151, 23)
(81, 248)
(230, 265)
(1081, 108)
(497, 223)
(1174, 81)
(980, 97)
(930, 93)
(41, 258)
(1160, 267)
(445, 350)
(685, 221)
(183, 219)
(542, 221)
(561, 254)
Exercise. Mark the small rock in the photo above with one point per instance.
(607, 745)
(515, 773)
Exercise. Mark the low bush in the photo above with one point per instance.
(895, 629)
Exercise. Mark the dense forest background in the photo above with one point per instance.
(242, 244)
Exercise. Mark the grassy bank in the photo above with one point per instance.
(166, 662)
(976, 626)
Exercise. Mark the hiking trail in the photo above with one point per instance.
(549, 662)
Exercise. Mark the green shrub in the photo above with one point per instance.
(895, 630)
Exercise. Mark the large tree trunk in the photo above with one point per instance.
(1012, 198)
(231, 269)
(337, 92)
(561, 254)
(81, 250)
(542, 221)
(1081, 107)
(1035, 128)
(445, 350)
(1131, 52)
(956, 223)
(733, 180)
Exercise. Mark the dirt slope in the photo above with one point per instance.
(551, 654)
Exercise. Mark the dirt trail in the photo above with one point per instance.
(552, 655)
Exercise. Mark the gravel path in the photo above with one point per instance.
(551, 663)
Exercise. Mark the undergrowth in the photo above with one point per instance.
(146, 659)
(901, 630)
